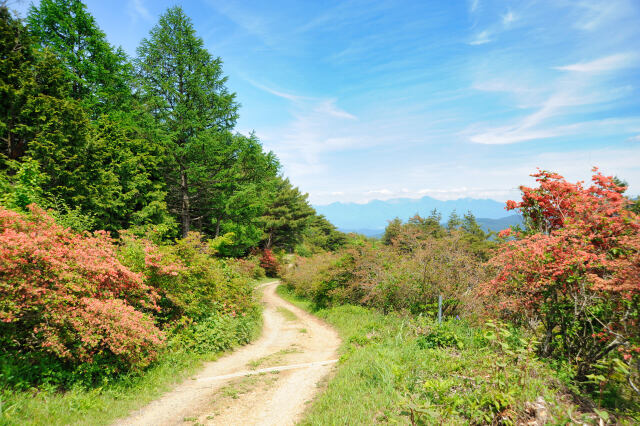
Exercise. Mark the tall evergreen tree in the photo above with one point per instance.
(288, 215)
(186, 90)
(16, 83)
(95, 155)
(38, 119)
(100, 75)
(323, 234)
(454, 221)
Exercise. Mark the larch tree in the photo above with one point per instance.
(185, 89)
(100, 75)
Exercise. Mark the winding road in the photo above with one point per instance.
(269, 382)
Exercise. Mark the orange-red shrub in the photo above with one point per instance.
(66, 294)
(575, 272)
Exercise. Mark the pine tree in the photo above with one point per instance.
(288, 215)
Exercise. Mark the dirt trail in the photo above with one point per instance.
(268, 382)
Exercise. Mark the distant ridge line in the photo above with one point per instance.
(374, 215)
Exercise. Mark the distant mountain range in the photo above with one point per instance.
(371, 218)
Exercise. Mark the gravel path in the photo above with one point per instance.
(269, 382)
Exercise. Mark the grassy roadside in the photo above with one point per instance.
(102, 405)
(410, 370)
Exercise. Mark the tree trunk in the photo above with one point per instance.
(269, 241)
(185, 210)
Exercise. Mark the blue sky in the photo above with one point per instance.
(369, 100)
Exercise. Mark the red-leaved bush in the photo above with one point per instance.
(66, 294)
(575, 275)
(269, 263)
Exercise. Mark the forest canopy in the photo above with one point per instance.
(148, 143)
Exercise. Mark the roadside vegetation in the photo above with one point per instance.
(410, 369)
(540, 322)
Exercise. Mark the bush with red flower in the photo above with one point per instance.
(66, 295)
(269, 263)
(574, 273)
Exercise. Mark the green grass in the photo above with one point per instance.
(273, 359)
(99, 405)
(287, 314)
(399, 369)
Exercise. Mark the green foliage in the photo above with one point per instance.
(101, 319)
(120, 147)
(124, 183)
(186, 90)
(85, 403)
(130, 150)
(217, 332)
(100, 166)
(392, 230)
(320, 235)
(96, 312)
(440, 337)
(23, 186)
(191, 281)
(248, 266)
(17, 84)
(99, 75)
(409, 273)
(287, 216)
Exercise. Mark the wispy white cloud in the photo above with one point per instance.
(493, 30)
(318, 127)
(278, 93)
(257, 25)
(329, 107)
(604, 64)
(519, 133)
(571, 94)
(473, 5)
(137, 9)
(530, 76)
(508, 18)
(557, 103)
(482, 37)
(596, 14)
(319, 105)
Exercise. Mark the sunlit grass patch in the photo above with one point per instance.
(401, 369)
(287, 314)
(273, 359)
